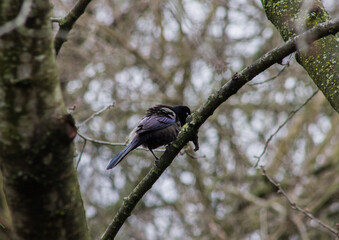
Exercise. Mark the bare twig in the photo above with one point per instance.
(296, 207)
(67, 23)
(205, 111)
(286, 65)
(82, 151)
(84, 122)
(96, 114)
(113, 144)
(99, 141)
(281, 126)
(19, 20)
(152, 65)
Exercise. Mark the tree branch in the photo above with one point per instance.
(67, 23)
(294, 17)
(113, 144)
(200, 116)
(96, 114)
(296, 207)
(290, 116)
(286, 65)
(80, 155)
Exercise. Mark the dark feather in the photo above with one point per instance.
(117, 158)
(159, 127)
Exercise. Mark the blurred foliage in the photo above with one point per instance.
(141, 53)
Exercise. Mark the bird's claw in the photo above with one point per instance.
(196, 143)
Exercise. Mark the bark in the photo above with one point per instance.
(36, 134)
(321, 59)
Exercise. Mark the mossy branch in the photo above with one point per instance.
(67, 23)
(200, 116)
(320, 60)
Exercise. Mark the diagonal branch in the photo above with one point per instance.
(296, 207)
(286, 65)
(67, 23)
(290, 116)
(200, 116)
(96, 114)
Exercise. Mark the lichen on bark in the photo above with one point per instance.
(321, 59)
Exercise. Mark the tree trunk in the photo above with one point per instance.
(321, 59)
(36, 147)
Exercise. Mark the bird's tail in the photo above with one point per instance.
(117, 158)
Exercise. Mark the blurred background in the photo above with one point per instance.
(141, 53)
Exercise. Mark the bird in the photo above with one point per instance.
(160, 126)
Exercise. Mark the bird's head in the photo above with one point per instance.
(182, 113)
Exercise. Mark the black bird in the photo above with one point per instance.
(158, 127)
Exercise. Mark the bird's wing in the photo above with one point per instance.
(151, 123)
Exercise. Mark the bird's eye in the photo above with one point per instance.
(187, 113)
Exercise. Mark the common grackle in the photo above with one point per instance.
(158, 127)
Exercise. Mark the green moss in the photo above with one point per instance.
(155, 171)
(31, 137)
(175, 145)
(321, 59)
(62, 21)
(184, 128)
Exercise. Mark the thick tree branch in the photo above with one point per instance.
(67, 23)
(321, 60)
(200, 116)
(286, 65)
(36, 133)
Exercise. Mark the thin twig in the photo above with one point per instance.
(19, 20)
(277, 75)
(86, 138)
(281, 126)
(113, 144)
(96, 114)
(296, 207)
(82, 151)
(99, 141)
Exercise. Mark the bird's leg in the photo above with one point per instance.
(156, 158)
